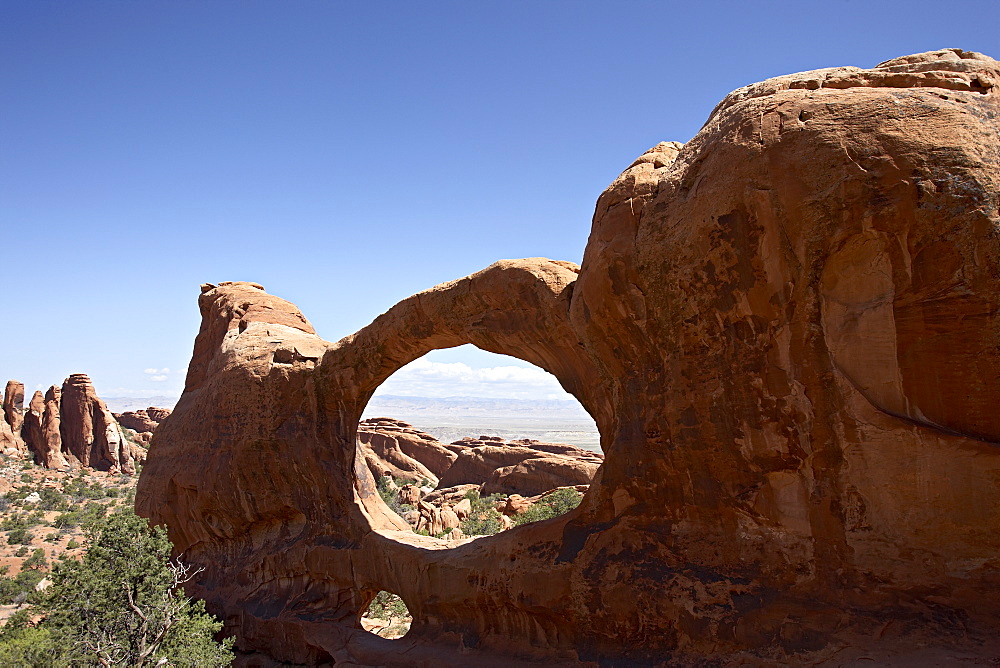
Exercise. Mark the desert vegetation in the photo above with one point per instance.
(85, 581)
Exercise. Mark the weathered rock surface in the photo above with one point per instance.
(12, 419)
(72, 426)
(141, 421)
(49, 449)
(90, 433)
(386, 445)
(415, 444)
(519, 467)
(787, 332)
(529, 467)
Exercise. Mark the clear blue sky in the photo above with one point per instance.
(348, 154)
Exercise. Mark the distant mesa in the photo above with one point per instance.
(69, 427)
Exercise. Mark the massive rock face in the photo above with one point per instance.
(787, 333)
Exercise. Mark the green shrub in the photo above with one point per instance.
(390, 607)
(72, 544)
(20, 588)
(51, 499)
(19, 536)
(84, 517)
(555, 504)
(484, 520)
(123, 604)
(391, 496)
(36, 560)
(15, 521)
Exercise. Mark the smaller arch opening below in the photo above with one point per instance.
(386, 616)
(457, 485)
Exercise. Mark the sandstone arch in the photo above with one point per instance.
(787, 332)
(293, 401)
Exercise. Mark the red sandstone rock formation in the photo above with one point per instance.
(32, 427)
(386, 444)
(411, 442)
(157, 414)
(140, 425)
(12, 419)
(138, 421)
(520, 467)
(89, 430)
(787, 333)
(72, 426)
(49, 448)
(528, 467)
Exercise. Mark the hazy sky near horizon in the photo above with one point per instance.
(349, 154)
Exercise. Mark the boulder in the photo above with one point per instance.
(515, 504)
(409, 494)
(449, 519)
(463, 509)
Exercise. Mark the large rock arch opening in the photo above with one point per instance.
(277, 486)
(483, 453)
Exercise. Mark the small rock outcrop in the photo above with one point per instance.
(142, 423)
(393, 447)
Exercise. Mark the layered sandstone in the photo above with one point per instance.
(523, 467)
(142, 423)
(71, 426)
(787, 332)
(90, 433)
(12, 419)
(395, 448)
